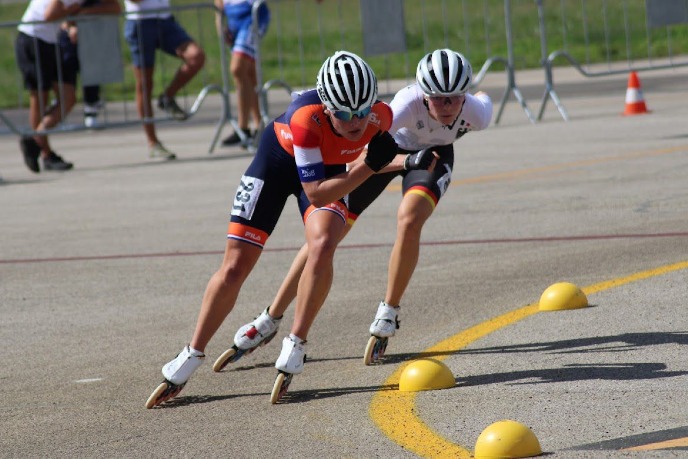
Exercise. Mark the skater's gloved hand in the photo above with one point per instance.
(381, 151)
(420, 160)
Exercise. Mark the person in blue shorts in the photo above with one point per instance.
(147, 29)
(237, 34)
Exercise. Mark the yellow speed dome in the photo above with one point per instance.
(506, 439)
(562, 295)
(426, 374)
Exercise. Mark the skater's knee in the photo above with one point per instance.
(232, 273)
(323, 247)
(410, 223)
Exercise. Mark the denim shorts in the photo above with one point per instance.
(144, 36)
(239, 21)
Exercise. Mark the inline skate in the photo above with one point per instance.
(384, 326)
(289, 363)
(248, 338)
(176, 373)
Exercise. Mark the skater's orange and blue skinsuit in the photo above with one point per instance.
(298, 146)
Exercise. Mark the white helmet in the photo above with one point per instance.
(444, 73)
(346, 82)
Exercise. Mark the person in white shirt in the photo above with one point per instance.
(37, 57)
(429, 116)
(146, 30)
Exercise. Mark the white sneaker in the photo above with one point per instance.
(179, 370)
(292, 357)
(386, 322)
(159, 151)
(91, 121)
(253, 333)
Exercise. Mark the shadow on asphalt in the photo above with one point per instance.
(291, 396)
(613, 343)
(389, 359)
(187, 400)
(576, 372)
(319, 394)
(568, 373)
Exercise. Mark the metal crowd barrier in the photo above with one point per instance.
(119, 108)
(264, 88)
(659, 17)
(487, 31)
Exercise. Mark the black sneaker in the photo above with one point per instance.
(169, 105)
(31, 152)
(54, 162)
(234, 139)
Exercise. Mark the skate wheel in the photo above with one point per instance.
(375, 350)
(174, 391)
(382, 347)
(370, 347)
(224, 359)
(156, 397)
(280, 387)
(165, 391)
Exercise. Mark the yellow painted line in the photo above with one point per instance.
(635, 277)
(675, 443)
(557, 167)
(395, 413)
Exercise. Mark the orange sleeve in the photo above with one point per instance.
(306, 132)
(381, 116)
(387, 124)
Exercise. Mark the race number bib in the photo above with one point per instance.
(443, 182)
(246, 196)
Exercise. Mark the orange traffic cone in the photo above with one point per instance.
(635, 103)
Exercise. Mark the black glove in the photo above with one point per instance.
(381, 151)
(419, 160)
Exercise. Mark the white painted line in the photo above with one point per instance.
(88, 380)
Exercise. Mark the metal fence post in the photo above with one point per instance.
(511, 86)
(262, 88)
(547, 66)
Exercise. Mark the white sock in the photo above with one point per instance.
(296, 339)
(390, 306)
(195, 353)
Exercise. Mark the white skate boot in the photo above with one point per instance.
(293, 355)
(176, 372)
(248, 338)
(289, 363)
(383, 327)
(386, 322)
(258, 332)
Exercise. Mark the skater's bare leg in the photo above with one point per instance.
(413, 212)
(223, 289)
(287, 291)
(323, 233)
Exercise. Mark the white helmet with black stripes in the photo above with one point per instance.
(444, 72)
(346, 82)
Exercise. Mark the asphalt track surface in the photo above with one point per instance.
(102, 270)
